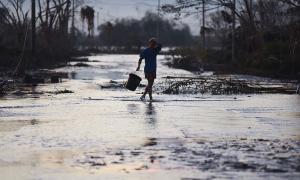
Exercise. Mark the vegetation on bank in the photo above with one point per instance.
(265, 40)
(54, 38)
(219, 85)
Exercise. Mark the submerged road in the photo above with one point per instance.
(103, 131)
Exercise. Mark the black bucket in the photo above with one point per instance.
(133, 82)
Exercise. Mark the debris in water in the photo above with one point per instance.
(150, 142)
(65, 91)
(81, 64)
(219, 85)
(55, 79)
(111, 84)
(135, 153)
(142, 167)
(79, 59)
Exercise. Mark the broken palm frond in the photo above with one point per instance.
(42, 76)
(65, 91)
(115, 85)
(81, 64)
(219, 85)
(79, 59)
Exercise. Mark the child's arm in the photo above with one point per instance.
(158, 48)
(139, 64)
(142, 56)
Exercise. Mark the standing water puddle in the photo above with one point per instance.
(104, 131)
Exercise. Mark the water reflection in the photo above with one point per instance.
(150, 115)
(72, 75)
(133, 108)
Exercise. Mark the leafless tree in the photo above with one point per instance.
(15, 17)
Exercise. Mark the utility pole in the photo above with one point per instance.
(97, 38)
(233, 31)
(158, 15)
(73, 21)
(33, 30)
(203, 25)
(97, 20)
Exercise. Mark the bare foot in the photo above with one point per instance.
(142, 98)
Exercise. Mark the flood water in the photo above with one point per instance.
(103, 131)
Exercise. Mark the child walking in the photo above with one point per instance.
(149, 54)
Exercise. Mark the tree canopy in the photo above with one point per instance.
(134, 32)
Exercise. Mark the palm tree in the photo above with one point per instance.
(88, 13)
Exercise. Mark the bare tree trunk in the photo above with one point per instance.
(157, 23)
(233, 32)
(73, 21)
(203, 25)
(33, 30)
(248, 5)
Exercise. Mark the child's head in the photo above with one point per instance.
(152, 42)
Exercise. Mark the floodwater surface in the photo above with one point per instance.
(103, 131)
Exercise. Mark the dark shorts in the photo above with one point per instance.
(150, 75)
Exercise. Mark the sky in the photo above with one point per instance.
(109, 10)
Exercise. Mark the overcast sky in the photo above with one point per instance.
(109, 10)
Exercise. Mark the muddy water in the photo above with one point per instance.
(102, 131)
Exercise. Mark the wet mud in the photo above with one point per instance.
(257, 155)
(89, 126)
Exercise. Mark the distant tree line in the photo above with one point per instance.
(134, 33)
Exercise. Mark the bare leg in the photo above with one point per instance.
(148, 89)
(150, 84)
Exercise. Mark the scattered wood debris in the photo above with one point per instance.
(219, 85)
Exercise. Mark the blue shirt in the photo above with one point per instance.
(149, 54)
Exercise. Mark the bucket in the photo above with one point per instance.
(133, 82)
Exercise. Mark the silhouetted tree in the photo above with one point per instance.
(52, 24)
(88, 13)
(267, 33)
(134, 33)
